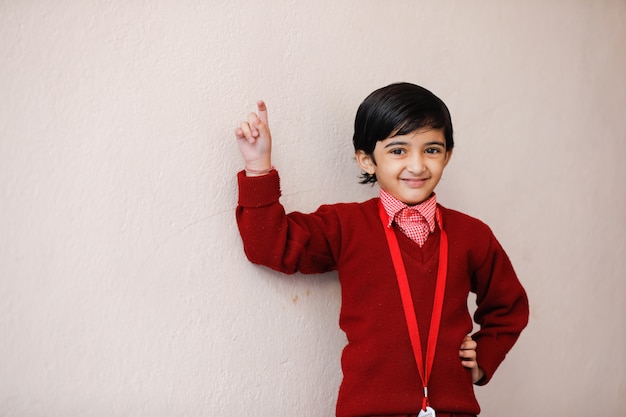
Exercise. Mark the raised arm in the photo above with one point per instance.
(255, 142)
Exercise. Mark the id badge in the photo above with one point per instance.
(429, 412)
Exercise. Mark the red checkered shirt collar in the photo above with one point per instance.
(393, 207)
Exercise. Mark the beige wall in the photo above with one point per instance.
(123, 287)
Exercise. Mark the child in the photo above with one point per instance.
(406, 264)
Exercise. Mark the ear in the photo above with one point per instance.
(365, 162)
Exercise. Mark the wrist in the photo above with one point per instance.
(477, 375)
(256, 172)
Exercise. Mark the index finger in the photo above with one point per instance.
(262, 111)
(469, 344)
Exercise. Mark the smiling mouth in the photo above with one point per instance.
(414, 182)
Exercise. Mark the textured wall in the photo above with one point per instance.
(123, 287)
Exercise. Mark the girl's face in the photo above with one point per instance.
(410, 166)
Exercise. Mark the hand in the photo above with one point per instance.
(255, 141)
(468, 358)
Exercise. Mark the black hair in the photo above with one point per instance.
(398, 109)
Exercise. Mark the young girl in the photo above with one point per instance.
(406, 263)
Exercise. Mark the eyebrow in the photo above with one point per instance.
(395, 143)
(400, 142)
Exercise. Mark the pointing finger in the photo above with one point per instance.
(262, 111)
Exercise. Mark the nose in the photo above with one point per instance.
(415, 163)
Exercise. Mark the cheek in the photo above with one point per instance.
(437, 166)
(388, 169)
(439, 172)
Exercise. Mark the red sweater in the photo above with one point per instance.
(380, 375)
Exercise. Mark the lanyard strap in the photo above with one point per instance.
(424, 365)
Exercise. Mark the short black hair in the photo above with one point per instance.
(398, 109)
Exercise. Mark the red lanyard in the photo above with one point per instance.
(424, 364)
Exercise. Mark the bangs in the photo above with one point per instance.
(421, 122)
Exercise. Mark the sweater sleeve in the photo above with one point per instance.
(502, 309)
(288, 243)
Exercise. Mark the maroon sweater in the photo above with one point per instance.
(380, 375)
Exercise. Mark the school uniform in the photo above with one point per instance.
(380, 375)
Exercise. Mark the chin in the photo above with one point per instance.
(414, 201)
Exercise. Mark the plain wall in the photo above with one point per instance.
(124, 290)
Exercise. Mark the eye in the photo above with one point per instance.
(434, 150)
(397, 151)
